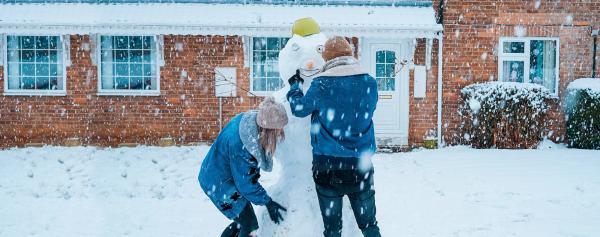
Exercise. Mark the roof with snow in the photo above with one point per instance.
(215, 19)
(422, 3)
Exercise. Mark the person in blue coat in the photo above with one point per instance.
(230, 171)
(341, 101)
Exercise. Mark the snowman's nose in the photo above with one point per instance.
(310, 64)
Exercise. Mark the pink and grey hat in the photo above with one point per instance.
(271, 114)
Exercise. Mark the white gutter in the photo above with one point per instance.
(440, 141)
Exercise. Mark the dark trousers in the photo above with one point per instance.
(243, 225)
(332, 186)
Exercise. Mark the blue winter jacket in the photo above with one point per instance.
(341, 102)
(229, 173)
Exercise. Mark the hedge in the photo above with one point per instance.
(582, 113)
(504, 114)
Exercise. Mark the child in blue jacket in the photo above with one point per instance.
(231, 169)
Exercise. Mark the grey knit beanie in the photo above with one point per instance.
(271, 115)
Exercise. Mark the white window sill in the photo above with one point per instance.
(34, 93)
(129, 93)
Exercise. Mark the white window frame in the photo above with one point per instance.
(124, 92)
(29, 92)
(252, 92)
(525, 57)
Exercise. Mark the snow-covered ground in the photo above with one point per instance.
(151, 191)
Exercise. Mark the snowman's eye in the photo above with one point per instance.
(295, 47)
(320, 48)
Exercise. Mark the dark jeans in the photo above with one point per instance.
(332, 186)
(243, 225)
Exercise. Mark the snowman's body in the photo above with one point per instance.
(295, 188)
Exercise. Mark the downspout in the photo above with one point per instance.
(441, 7)
(595, 35)
(439, 90)
(440, 37)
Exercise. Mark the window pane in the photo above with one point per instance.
(380, 57)
(28, 69)
(53, 83)
(13, 56)
(380, 70)
(12, 42)
(108, 83)
(121, 83)
(513, 47)
(542, 58)
(42, 83)
(260, 43)
(136, 83)
(54, 70)
(27, 42)
(27, 56)
(385, 65)
(135, 70)
(121, 69)
(41, 42)
(513, 71)
(53, 42)
(53, 56)
(120, 42)
(390, 57)
(135, 42)
(265, 71)
(42, 70)
(273, 44)
(135, 56)
(41, 56)
(148, 83)
(147, 69)
(148, 41)
(27, 83)
(121, 56)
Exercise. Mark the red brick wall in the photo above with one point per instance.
(471, 34)
(423, 111)
(186, 110)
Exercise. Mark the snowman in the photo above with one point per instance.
(295, 188)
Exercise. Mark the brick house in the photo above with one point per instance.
(545, 42)
(118, 72)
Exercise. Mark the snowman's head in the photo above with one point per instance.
(304, 54)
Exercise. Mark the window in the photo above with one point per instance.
(385, 66)
(34, 65)
(529, 60)
(128, 65)
(265, 68)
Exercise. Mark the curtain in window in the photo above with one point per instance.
(543, 63)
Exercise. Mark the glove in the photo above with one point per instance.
(274, 211)
(296, 78)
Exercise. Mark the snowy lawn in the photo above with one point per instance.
(150, 191)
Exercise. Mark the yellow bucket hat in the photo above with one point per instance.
(305, 27)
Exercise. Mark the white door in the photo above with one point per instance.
(391, 115)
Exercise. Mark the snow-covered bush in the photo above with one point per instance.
(582, 111)
(504, 114)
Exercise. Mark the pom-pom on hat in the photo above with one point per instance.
(305, 27)
(271, 115)
(337, 46)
